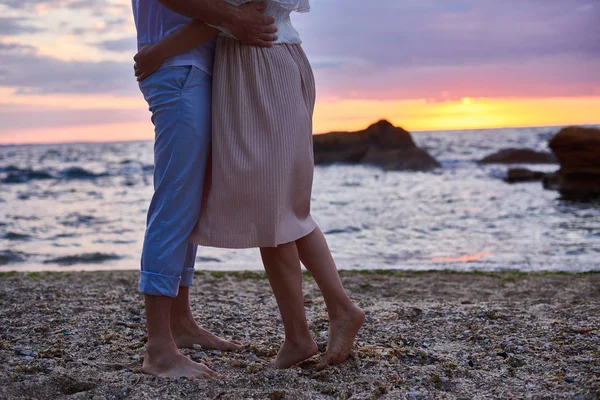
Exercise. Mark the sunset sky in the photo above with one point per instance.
(66, 70)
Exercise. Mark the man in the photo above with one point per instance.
(179, 96)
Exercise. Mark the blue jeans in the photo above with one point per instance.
(180, 102)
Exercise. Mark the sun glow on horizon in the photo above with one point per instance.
(330, 115)
(467, 113)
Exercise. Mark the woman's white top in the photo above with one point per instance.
(281, 11)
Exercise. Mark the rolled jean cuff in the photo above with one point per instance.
(187, 276)
(158, 284)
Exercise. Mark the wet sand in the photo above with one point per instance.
(431, 335)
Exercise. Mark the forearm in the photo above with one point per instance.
(214, 12)
(193, 34)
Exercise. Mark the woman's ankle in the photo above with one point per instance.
(341, 309)
(299, 339)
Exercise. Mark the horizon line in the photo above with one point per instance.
(314, 134)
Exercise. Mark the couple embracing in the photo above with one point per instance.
(231, 94)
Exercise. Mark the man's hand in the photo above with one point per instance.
(251, 27)
(147, 62)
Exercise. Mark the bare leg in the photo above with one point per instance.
(283, 270)
(345, 317)
(186, 332)
(162, 356)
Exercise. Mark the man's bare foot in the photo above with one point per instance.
(188, 333)
(291, 354)
(342, 332)
(172, 364)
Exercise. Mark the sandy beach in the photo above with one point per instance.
(428, 335)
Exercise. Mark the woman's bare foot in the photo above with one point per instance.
(172, 364)
(342, 332)
(291, 354)
(187, 334)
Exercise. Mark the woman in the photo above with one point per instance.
(258, 190)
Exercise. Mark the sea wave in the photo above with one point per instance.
(349, 229)
(15, 236)
(9, 257)
(80, 173)
(86, 258)
(18, 176)
(208, 259)
(14, 175)
(25, 175)
(75, 220)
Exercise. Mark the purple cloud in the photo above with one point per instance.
(123, 45)
(419, 49)
(31, 73)
(433, 32)
(388, 50)
(16, 26)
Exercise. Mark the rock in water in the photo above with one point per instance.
(380, 144)
(515, 175)
(578, 151)
(519, 156)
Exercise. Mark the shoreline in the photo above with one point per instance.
(428, 334)
(459, 268)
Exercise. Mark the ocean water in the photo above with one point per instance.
(83, 206)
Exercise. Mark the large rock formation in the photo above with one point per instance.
(380, 144)
(519, 156)
(578, 151)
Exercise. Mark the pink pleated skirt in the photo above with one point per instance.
(259, 181)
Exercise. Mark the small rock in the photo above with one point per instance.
(414, 395)
(519, 156)
(569, 379)
(515, 175)
(322, 346)
(199, 354)
(277, 395)
(26, 352)
(515, 362)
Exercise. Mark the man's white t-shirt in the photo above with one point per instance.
(154, 21)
